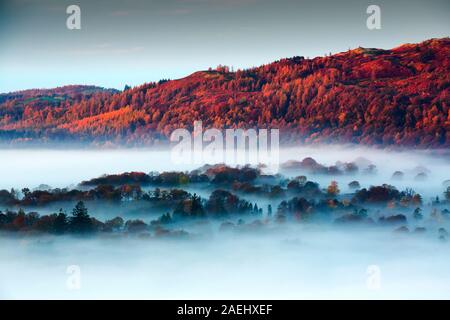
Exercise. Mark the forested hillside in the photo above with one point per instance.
(369, 96)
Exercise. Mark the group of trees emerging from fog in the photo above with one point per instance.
(369, 96)
(297, 198)
(57, 223)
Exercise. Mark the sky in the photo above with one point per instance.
(137, 41)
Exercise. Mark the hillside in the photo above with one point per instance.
(370, 96)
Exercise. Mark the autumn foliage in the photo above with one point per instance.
(368, 96)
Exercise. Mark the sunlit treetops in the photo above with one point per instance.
(368, 96)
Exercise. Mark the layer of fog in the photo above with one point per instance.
(303, 261)
(295, 262)
(63, 168)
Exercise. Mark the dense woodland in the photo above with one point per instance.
(369, 96)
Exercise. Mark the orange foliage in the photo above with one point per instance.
(368, 96)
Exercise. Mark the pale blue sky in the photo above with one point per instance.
(137, 41)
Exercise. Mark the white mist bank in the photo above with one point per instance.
(62, 168)
(294, 261)
(303, 262)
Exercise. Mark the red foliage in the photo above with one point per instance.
(368, 96)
